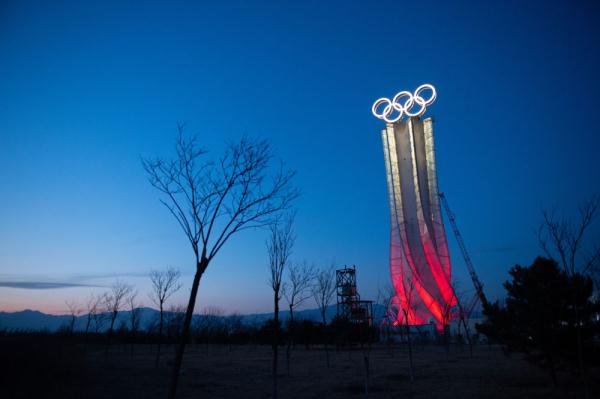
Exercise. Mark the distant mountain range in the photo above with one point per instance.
(33, 320)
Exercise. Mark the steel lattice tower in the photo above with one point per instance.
(349, 304)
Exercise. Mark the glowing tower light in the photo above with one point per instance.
(419, 259)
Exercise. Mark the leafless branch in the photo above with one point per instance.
(74, 310)
(297, 288)
(566, 237)
(115, 299)
(279, 248)
(164, 284)
(592, 265)
(385, 297)
(323, 289)
(93, 307)
(134, 311)
(214, 199)
(74, 307)
(211, 201)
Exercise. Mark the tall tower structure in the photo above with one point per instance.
(419, 258)
(349, 304)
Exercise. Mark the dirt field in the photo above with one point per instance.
(244, 372)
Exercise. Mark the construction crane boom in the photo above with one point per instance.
(478, 286)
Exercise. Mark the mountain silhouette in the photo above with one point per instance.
(33, 320)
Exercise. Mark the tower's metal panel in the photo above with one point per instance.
(419, 259)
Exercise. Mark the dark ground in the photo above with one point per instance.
(55, 370)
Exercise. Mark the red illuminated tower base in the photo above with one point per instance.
(419, 259)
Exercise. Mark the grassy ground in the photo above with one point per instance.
(63, 371)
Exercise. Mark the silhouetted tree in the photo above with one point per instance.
(164, 284)
(296, 290)
(539, 316)
(464, 314)
(323, 290)
(593, 261)
(74, 311)
(114, 300)
(212, 201)
(134, 312)
(562, 240)
(279, 248)
(134, 319)
(93, 304)
(387, 314)
(100, 317)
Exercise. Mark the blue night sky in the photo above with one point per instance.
(87, 88)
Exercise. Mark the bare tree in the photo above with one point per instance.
(99, 317)
(74, 311)
(323, 290)
(93, 307)
(464, 313)
(134, 318)
(388, 315)
(134, 311)
(114, 301)
(563, 239)
(296, 290)
(279, 248)
(212, 201)
(164, 284)
(593, 264)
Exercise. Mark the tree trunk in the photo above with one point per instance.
(325, 336)
(200, 268)
(110, 332)
(87, 330)
(288, 350)
(160, 334)
(275, 340)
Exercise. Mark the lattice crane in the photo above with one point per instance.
(479, 295)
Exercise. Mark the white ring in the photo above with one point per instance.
(387, 110)
(426, 86)
(377, 104)
(404, 108)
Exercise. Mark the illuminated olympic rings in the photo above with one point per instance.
(395, 105)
